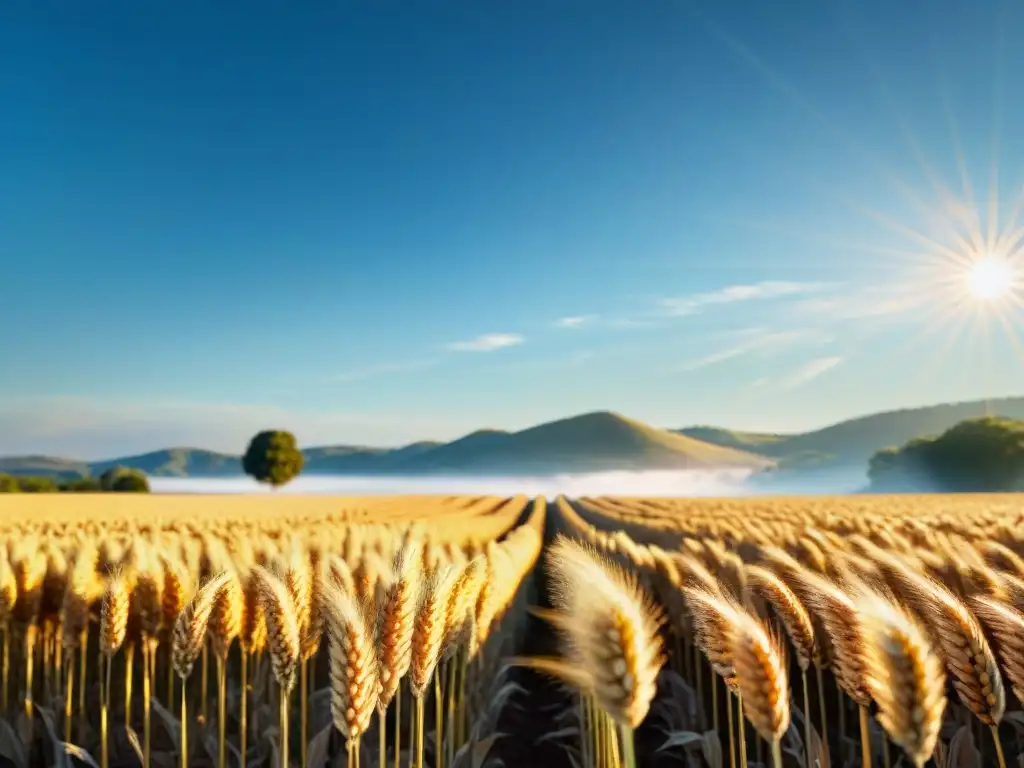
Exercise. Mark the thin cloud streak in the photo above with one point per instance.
(866, 303)
(810, 371)
(487, 343)
(682, 306)
(575, 321)
(759, 341)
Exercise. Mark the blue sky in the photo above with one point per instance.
(380, 222)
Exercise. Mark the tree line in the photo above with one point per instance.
(984, 455)
(114, 480)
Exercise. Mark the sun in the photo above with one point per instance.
(990, 278)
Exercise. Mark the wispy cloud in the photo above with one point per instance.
(575, 321)
(695, 303)
(715, 357)
(759, 341)
(487, 343)
(810, 371)
(384, 369)
(865, 303)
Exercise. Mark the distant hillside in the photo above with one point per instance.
(853, 442)
(48, 466)
(731, 438)
(176, 462)
(588, 443)
(354, 460)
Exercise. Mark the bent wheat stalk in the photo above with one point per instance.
(283, 641)
(610, 636)
(761, 679)
(189, 638)
(907, 678)
(798, 625)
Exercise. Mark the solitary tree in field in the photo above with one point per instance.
(273, 457)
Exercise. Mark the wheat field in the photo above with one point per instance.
(464, 632)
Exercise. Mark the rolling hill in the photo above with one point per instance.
(852, 442)
(591, 442)
(588, 443)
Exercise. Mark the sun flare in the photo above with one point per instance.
(991, 278)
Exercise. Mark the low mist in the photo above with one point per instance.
(616, 483)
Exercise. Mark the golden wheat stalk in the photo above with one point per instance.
(283, 641)
(761, 679)
(353, 664)
(398, 595)
(839, 617)
(906, 677)
(225, 625)
(113, 630)
(610, 630)
(969, 659)
(189, 638)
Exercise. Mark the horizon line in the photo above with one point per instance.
(981, 401)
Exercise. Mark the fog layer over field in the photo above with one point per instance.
(618, 483)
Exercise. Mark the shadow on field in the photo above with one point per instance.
(539, 711)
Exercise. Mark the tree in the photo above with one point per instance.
(273, 457)
(9, 484)
(132, 481)
(976, 455)
(124, 479)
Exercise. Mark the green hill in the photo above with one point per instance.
(854, 441)
(47, 466)
(176, 462)
(731, 438)
(352, 459)
(588, 443)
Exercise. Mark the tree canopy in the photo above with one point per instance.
(273, 457)
(976, 455)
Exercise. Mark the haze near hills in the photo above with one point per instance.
(591, 442)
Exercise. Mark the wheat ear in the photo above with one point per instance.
(799, 626)
(225, 625)
(1005, 624)
(614, 650)
(969, 659)
(906, 676)
(838, 614)
(189, 638)
(761, 679)
(282, 626)
(796, 619)
(283, 641)
(353, 663)
(113, 630)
